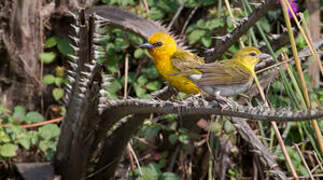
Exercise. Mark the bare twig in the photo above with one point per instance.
(188, 20)
(35, 124)
(232, 37)
(304, 162)
(179, 10)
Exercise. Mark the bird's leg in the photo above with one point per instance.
(225, 102)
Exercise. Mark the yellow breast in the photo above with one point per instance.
(181, 83)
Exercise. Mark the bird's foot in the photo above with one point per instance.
(224, 102)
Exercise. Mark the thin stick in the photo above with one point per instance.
(126, 69)
(307, 38)
(146, 6)
(277, 133)
(176, 15)
(317, 159)
(188, 19)
(304, 162)
(129, 147)
(317, 130)
(233, 20)
(35, 124)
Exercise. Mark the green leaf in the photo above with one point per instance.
(110, 48)
(153, 86)
(34, 137)
(8, 150)
(142, 80)
(33, 117)
(64, 47)
(59, 81)
(169, 176)
(173, 138)
(152, 172)
(196, 35)
(138, 53)
(156, 14)
(184, 138)
(140, 92)
(150, 72)
(215, 23)
(58, 93)
(206, 41)
(19, 113)
(51, 42)
(24, 142)
(47, 57)
(114, 87)
(121, 43)
(49, 131)
(228, 127)
(49, 79)
(4, 137)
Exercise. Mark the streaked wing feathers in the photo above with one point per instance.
(186, 61)
(223, 73)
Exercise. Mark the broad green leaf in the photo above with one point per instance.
(140, 92)
(114, 87)
(196, 35)
(33, 117)
(184, 138)
(142, 80)
(206, 41)
(8, 150)
(19, 113)
(156, 14)
(34, 137)
(4, 137)
(169, 176)
(150, 72)
(51, 42)
(229, 128)
(153, 86)
(64, 47)
(49, 79)
(47, 57)
(58, 93)
(24, 142)
(59, 81)
(173, 138)
(215, 23)
(138, 53)
(110, 48)
(152, 172)
(49, 131)
(121, 43)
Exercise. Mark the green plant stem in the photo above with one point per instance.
(300, 72)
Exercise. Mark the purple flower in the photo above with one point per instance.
(294, 6)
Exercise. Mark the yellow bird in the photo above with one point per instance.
(188, 73)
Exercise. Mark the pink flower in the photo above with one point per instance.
(294, 6)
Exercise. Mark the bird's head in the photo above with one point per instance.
(250, 56)
(160, 44)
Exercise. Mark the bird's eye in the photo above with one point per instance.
(253, 54)
(157, 44)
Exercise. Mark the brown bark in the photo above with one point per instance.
(21, 33)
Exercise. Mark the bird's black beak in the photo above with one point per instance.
(264, 56)
(146, 46)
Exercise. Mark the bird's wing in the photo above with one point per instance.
(185, 61)
(223, 73)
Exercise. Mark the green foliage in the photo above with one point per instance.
(153, 172)
(15, 137)
(63, 47)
